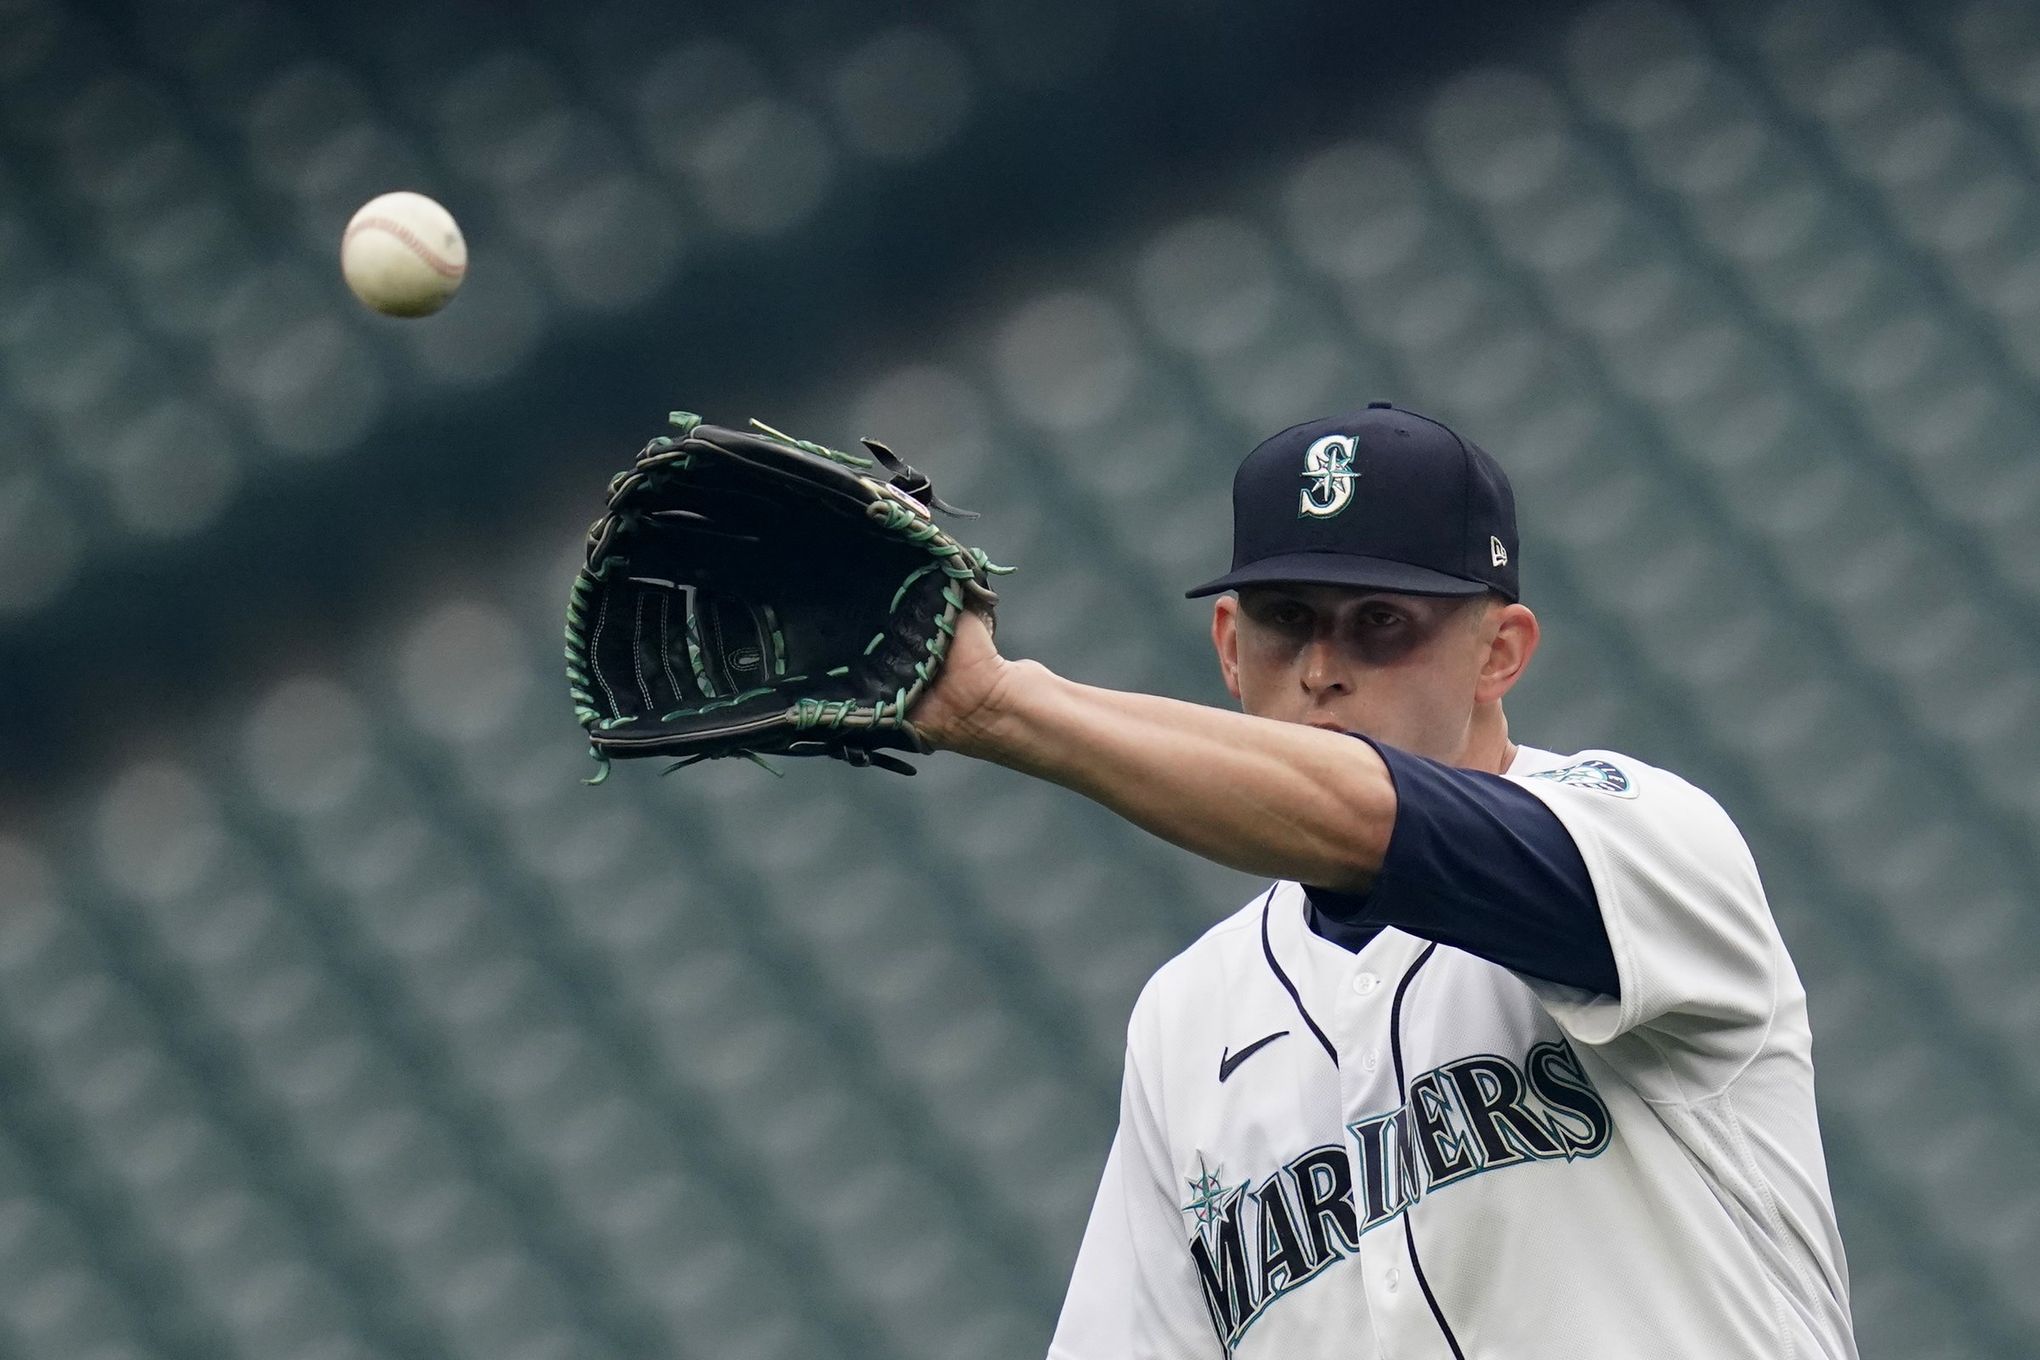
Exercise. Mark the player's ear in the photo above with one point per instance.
(1512, 634)
(1225, 640)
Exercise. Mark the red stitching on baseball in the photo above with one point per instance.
(438, 263)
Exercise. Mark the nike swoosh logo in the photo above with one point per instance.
(1228, 1060)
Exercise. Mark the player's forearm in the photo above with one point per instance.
(1268, 798)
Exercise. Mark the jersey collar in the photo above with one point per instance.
(1292, 942)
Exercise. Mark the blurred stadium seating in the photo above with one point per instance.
(338, 1020)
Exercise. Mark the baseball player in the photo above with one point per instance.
(1510, 1061)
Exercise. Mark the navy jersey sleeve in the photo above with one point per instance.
(1478, 862)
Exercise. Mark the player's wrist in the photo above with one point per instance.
(994, 728)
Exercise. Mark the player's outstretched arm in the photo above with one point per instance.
(1274, 799)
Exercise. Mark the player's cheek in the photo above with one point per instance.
(1273, 653)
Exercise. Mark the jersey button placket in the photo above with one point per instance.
(1363, 1027)
(1362, 1011)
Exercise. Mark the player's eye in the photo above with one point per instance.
(1290, 615)
(1275, 612)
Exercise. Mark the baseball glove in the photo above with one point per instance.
(747, 593)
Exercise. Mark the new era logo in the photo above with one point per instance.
(1497, 552)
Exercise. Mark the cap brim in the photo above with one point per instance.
(1340, 569)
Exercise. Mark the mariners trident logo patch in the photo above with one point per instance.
(1597, 775)
(1328, 477)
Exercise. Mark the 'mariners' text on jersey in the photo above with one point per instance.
(1251, 1244)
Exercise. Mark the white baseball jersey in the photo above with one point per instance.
(1412, 1153)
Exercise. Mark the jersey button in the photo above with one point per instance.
(1368, 1062)
(1365, 983)
(1394, 1278)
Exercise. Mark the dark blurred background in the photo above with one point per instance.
(337, 1020)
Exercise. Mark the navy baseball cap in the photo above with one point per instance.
(1379, 499)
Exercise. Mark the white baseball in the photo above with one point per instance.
(403, 254)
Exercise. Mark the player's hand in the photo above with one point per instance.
(955, 708)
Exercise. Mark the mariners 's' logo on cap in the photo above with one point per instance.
(1328, 477)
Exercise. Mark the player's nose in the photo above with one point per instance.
(1323, 671)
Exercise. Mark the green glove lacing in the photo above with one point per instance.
(855, 460)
